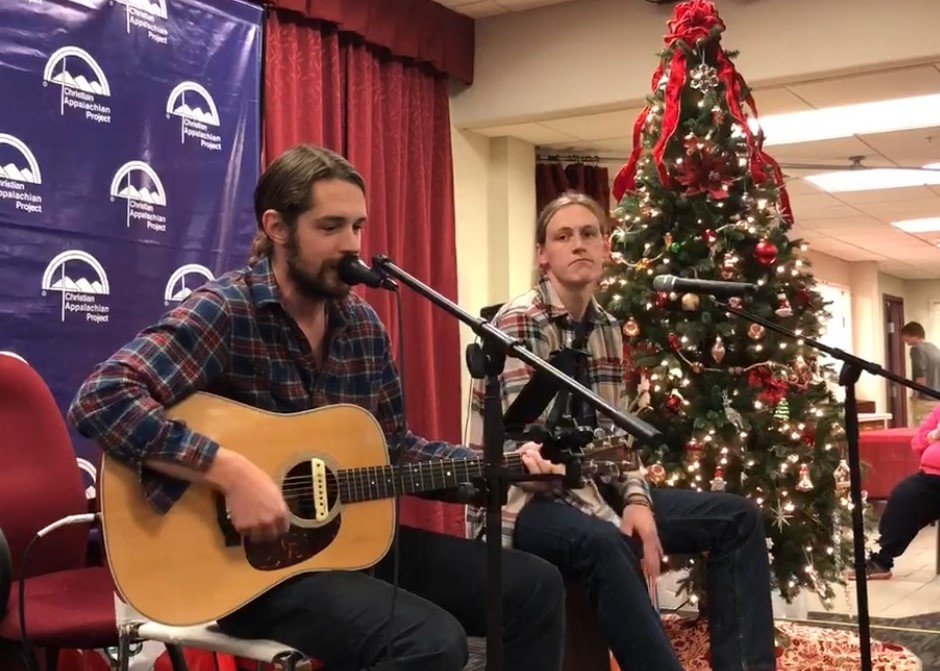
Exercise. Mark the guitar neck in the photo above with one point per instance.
(381, 482)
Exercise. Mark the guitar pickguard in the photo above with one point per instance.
(294, 547)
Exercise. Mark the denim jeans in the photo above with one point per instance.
(342, 617)
(600, 557)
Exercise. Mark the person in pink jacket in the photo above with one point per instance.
(913, 503)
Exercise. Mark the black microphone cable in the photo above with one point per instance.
(401, 480)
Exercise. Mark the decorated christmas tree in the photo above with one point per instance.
(742, 408)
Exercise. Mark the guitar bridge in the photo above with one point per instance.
(318, 483)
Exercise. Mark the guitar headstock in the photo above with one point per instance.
(618, 444)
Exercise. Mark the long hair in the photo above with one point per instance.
(287, 187)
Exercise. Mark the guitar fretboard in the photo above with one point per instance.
(382, 482)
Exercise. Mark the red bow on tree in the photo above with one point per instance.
(693, 25)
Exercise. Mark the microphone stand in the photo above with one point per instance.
(487, 362)
(852, 367)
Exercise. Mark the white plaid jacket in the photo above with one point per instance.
(539, 320)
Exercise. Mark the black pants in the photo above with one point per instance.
(598, 555)
(913, 504)
(342, 618)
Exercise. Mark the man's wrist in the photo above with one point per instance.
(638, 500)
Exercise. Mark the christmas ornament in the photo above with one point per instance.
(667, 239)
(698, 367)
(755, 332)
(660, 299)
(673, 341)
(804, 484)
(765, 252)
(704, 77)
(631, 328)
(709, 237)
(731, 413)
(782, 411)
(693, 452)
(729, 266)
(736, 302)
(718, 482)
(703, 170)
(718, 350)
(674, 401)
(690, 302)
(656, 474)
(843, 478)
(783, 306)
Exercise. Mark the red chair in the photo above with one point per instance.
(67, 604)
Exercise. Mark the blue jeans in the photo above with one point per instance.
(600, 557)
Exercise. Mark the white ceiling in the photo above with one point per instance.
(850, 226)
(480, 9)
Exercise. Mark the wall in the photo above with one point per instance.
(494, 193)
(599, 54)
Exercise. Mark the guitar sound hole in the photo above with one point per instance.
(299, 491)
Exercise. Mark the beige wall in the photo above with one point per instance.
(494, 191)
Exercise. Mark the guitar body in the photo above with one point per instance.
(189, 566)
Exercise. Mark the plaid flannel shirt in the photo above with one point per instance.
(232, 337)
(539, 319)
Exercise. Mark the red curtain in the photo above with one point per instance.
(391, 119)
(421, 31)
(303, 85)
(552, 179)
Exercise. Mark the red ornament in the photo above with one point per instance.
(660, 299)
(765, 252)
(673, 341)
(709, 237)
(673, 402)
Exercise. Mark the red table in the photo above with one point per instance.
(890, 459)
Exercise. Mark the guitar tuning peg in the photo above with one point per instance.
(599, 433)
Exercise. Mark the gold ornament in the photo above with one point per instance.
(718, 350)
(804, 484)
(631, 328)
(690, 302)
(656, 474)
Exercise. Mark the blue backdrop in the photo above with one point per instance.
(129, 150)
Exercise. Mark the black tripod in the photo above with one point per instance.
(852, 368)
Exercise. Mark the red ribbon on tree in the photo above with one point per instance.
(692, 22)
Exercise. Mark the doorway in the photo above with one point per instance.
(894, 359)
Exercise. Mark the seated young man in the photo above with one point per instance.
(577, 530)
(284, 334)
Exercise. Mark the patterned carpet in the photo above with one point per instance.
(807, 647)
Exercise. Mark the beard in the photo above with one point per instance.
(322, 285)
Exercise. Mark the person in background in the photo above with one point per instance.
(606, 542)
(285, 334)
(925, 368)
(913, 503)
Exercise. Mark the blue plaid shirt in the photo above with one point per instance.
(232, 337)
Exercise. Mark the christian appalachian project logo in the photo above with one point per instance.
(82, 284)
(148, 15)
(140, 186)
(82, 83)
(184, 280)
(20, 176)
(199, 117)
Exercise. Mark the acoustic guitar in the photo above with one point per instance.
(190, 566)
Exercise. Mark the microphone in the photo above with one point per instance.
(710, 287)
(352, 270)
